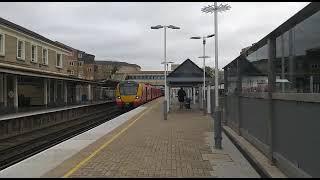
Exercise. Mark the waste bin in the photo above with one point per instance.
(187, 104)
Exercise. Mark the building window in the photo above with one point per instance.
(20, 49)
(72, 72)
(80, 63)
(45, 56)
(89, 69)
(34, 53)
(79, 55)
(2, 44)
(71, 63)
(59, 60)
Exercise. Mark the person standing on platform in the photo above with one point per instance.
(181, 95)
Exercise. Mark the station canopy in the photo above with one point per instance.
(187, 74)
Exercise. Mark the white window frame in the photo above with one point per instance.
(35, 55)
(3, 50)
(80, 55)
(23, 49)
(80, 63)
(71, 63)
(58, 66)
(47, 56)
(72, 72)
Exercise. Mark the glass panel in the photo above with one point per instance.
(232, 78)
(44, 53)
(297, 58)
(1, 43)
(59, 63)
(281, 63)
(33, 53)
(254, 70)
(19, 49)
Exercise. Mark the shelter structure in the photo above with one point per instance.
(189, 76)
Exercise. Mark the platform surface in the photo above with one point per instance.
(149, 146)
(39, 164)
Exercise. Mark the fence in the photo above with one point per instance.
(286, 129)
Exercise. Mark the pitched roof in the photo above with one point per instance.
(192, 66)
(67, 47)
(30, 33)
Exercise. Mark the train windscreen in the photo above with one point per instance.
(128, 88)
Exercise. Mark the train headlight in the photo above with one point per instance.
(137, 97)
(119, 97)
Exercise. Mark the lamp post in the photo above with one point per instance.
(217, 123)
(204, 67)
(165, 106)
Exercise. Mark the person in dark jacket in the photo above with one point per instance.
(181, 95)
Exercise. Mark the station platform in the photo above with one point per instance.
(141, 143)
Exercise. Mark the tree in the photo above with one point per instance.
(210, 71)
(114, 70)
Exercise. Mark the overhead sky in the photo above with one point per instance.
(121, 31)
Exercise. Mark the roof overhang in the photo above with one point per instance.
(18, 70)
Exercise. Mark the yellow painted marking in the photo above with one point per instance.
(104, 145)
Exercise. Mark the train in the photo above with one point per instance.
(131, 94)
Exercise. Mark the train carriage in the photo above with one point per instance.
(133, 94)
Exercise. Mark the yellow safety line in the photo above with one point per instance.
(103, 146)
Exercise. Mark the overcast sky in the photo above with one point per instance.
(121, 31)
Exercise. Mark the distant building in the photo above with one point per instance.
(155, 78)
(74, 61)
(108, 69)
(88, 66)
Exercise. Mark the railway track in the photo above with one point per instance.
(16, 149)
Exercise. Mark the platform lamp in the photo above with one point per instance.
(165, 108)
(204, 67)
(217, 123)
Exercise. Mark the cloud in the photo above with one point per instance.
(121, 30)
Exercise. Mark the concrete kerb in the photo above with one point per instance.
(259, 161)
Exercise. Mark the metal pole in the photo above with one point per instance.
(282, 62)
(204, 76)
(217, 122)
(165, 76)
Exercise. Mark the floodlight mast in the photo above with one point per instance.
(217, 123)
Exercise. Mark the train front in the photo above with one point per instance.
(127, 94)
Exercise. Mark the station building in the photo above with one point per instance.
(35, 72)
(156, 78)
